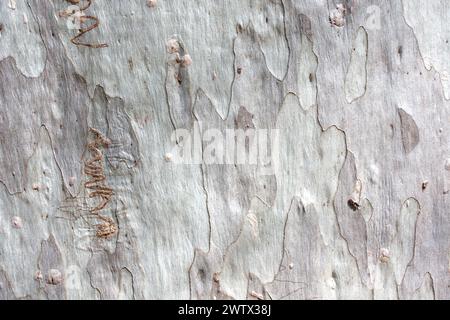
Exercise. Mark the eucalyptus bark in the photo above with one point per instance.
(357, 208)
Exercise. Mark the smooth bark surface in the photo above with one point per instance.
(359, 203)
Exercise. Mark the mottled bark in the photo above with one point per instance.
(357, 206)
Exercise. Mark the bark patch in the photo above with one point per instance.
(409, 131)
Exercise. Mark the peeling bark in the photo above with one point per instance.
(354, 205)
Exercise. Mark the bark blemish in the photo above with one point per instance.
(168, 156)
(400, 51)
(94, 169)
(244, 119)
(384, 255)
(351, 224)
(337, 16)
(447, 164)
(50, 259)
(54, 277)
(38, 276)
(17, 222)
(152, 3)
(178, 87)
(409, 131)
(257, 295)
(79, 17)
(354, 200)
(424, 185)
(12, 4)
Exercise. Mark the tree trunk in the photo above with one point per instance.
(127, 173)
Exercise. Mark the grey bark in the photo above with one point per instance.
(358, 207)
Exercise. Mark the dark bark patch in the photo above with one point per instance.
(244, 119)
(409, 131)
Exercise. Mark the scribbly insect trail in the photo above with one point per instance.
(82, 18)
(97, 183)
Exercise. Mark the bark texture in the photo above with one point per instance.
(357, 208)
